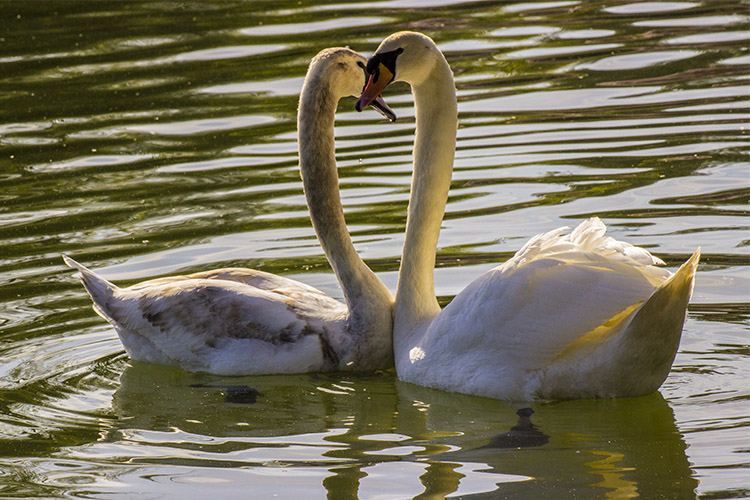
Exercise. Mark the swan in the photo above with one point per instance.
(242, 321)
(571, 315)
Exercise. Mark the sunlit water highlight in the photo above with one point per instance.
(154, 138)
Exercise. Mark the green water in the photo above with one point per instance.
(146, 139)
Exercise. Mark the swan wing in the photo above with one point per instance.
(202, 322)
(555, 290)
(216, 325)
(219, 308)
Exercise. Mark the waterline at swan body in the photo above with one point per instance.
(242, 321)
(571, 315)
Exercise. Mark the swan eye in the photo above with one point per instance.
(364, 69)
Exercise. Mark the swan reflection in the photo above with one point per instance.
(522, 435)
(346, 433)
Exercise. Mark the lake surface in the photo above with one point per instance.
(145, 139)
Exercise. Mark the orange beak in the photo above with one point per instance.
(374, 87)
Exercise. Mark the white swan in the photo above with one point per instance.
(242, 321)
(573, 315)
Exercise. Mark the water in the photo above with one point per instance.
(156, 138)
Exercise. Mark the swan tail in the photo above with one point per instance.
(669, 301)
(100, 290)
(629, 355)
(652, 337)
(684, 278)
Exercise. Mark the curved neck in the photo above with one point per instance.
(434, 150)
(363, 290)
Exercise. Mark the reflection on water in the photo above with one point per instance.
(154, 138)
(522, 435)
(346, 432)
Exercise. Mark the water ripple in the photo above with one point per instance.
(147, 139)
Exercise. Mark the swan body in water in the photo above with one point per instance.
(241, 321)
(572, 315)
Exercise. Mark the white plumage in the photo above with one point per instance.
(571, 315)
(555, 321)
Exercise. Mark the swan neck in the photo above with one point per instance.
(364, 293)
(434, 150)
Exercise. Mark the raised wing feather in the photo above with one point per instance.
(553, 291)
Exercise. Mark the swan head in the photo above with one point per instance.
(406, 56)
(343, 72)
